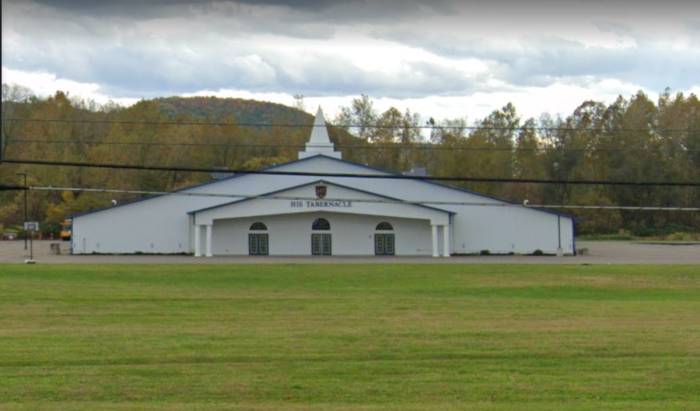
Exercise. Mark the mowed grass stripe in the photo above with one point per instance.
(349, 337)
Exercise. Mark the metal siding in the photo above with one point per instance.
(161, 225)
(353, 235)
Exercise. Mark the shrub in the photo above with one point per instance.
(538, 252)
(680, 237)
(485, 252)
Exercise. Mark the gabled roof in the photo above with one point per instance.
(272, 193)
(364, 166)
(202, 184)
(463, 190)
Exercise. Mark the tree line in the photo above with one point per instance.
(632, 140)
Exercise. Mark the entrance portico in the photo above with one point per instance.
(353, 214)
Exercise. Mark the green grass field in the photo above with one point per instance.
(349, 337)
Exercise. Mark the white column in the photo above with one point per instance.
(446, 241)
(197, 245)
(209, 254)
(435, 241)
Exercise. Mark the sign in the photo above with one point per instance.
(31, 226)
(321, 204)
(321, 191)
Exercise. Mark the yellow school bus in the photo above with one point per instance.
(66, 230)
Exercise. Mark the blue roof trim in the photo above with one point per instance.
(202, 184)
(328, 158)
(463, 190)
(317, 182)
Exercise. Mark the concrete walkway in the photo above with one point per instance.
(597, 252)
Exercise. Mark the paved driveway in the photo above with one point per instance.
(598, 252)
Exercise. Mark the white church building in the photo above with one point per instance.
(366, 213)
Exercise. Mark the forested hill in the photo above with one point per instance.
(629, 156)
(241, 110)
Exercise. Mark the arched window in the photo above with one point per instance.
(384, 226)
(258, 226)
(321, 224)
(258, 243)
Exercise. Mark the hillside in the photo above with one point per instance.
(243, 111)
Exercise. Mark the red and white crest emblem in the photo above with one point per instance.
(321, 191)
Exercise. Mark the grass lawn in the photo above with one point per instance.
(349, 337)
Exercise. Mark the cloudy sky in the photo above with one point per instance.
(441, 58)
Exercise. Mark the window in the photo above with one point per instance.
(384, 226)
(384, 244)
(321, 244)
(258, 243)
(321, 224)
(258, 226)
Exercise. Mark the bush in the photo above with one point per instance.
(538, 252)
(641, 230)
(681, 237)
(51, 228)
(485, 252)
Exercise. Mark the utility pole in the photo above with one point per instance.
(25, 204)
(557, 169)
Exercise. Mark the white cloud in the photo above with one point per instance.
(254, 71)
(444, 59)
(530, 102)
(46, 84)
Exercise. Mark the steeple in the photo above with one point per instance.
(320, 143)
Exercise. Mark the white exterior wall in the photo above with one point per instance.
(159, 225)
(352, 235)
(162, 225)
(475, 227)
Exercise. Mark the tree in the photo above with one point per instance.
(528, 163)
(360, 118)
(299, 103)
(496, 133)
(16, 101)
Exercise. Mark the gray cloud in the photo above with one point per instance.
(331, 11)
(129, 59)
(543, 60)
(150, 48)
(614, 27)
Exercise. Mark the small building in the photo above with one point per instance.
(366, 212)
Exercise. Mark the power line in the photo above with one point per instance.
(367, 147)
(372, 126)
(358, 200)
(4, 187)
(354, 175)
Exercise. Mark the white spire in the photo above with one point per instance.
(320, 143)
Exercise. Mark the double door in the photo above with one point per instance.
(384, 244)
(321, 244)
(258, 244)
